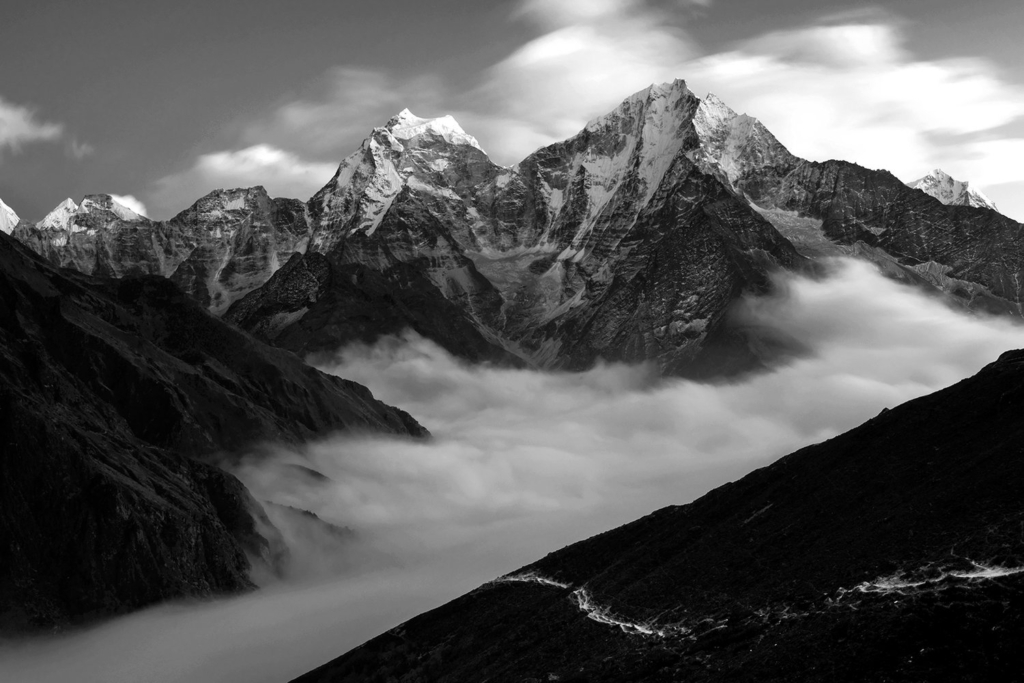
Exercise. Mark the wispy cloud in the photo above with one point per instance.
(19, 125)
(80, 150)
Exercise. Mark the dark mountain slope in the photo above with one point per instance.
(891, 553)
(106, 389)
(314, 305)
(976, 254)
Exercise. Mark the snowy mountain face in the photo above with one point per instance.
(952, 192)
(628, 241)
(8, 219)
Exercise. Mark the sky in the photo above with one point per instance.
(161, 103)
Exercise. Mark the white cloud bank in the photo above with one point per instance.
(19, 126)
(524, 462)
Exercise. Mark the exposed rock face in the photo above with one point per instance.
(943, 187)
(242, 238)
(892, 552)
(223, 246)
(312, 306)
(108, 388)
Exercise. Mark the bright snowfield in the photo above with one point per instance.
(522, 463)
(943, 187)
(8, 219)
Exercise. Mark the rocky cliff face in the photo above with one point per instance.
(892, 552)
(629, 241)
(109, 390)
(972, 254)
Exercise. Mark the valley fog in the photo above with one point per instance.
(521, 462)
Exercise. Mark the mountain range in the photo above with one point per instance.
(630, 241)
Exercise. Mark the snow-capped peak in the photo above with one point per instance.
(948, 190)
(644, 100)
(8, 219)
(406, 126)
(60, 217)
(107, 202)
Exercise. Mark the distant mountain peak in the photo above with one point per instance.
(948, 190)
(8, 219)
(406, 125)
(63, 216)
(60, 217)
(108, 203)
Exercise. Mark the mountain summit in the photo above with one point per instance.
(947, 190)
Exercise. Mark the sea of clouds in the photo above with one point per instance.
(520, 463)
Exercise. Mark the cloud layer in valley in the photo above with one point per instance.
(522, 462)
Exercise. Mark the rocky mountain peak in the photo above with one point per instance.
(220, 203)
(8, 219)
(948, 190)
(405, 126)
(105, 202)
(97, 211)
(657, 106)
(407, 152)
(733, 145)
(60, 217)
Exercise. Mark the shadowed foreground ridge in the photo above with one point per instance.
(108, 390)
(894, 552)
